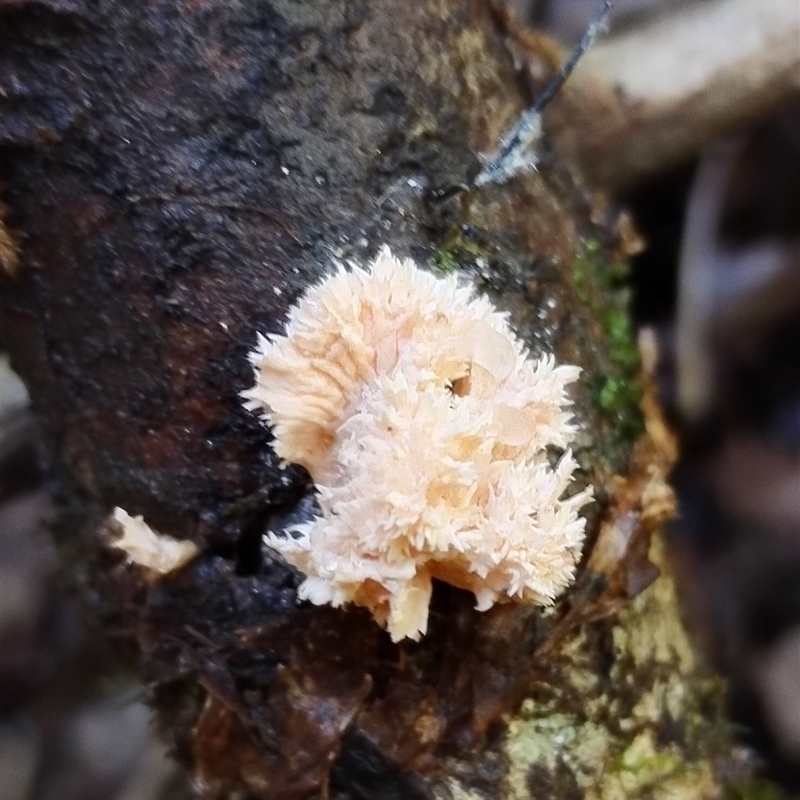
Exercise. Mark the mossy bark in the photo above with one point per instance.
(175, 175)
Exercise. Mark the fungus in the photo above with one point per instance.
(426, 428)
(154, 551)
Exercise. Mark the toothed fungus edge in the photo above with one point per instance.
(425, 426)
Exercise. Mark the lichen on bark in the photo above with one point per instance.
(643, 727)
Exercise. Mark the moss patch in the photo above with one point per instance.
(459, 252)
(615, 387)
(443, 261)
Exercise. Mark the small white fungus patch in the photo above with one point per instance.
(425, 426)
(145, 547)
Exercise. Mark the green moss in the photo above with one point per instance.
(622, 339)
(443, 261)
(457, 252)
(616, 395)
(615, 386)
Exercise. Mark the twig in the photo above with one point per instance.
(516, 153)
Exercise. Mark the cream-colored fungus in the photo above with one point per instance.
(425, 426)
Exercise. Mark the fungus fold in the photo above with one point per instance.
(426, 427)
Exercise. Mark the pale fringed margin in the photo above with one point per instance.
(426, 427)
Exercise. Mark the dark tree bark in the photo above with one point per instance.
(175, 175)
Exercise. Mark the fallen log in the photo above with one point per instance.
(176, 175)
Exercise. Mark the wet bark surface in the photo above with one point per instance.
(175, 176)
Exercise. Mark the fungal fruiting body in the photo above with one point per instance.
(156, 552)
(426, 428)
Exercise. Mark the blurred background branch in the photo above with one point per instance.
(656, 93)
